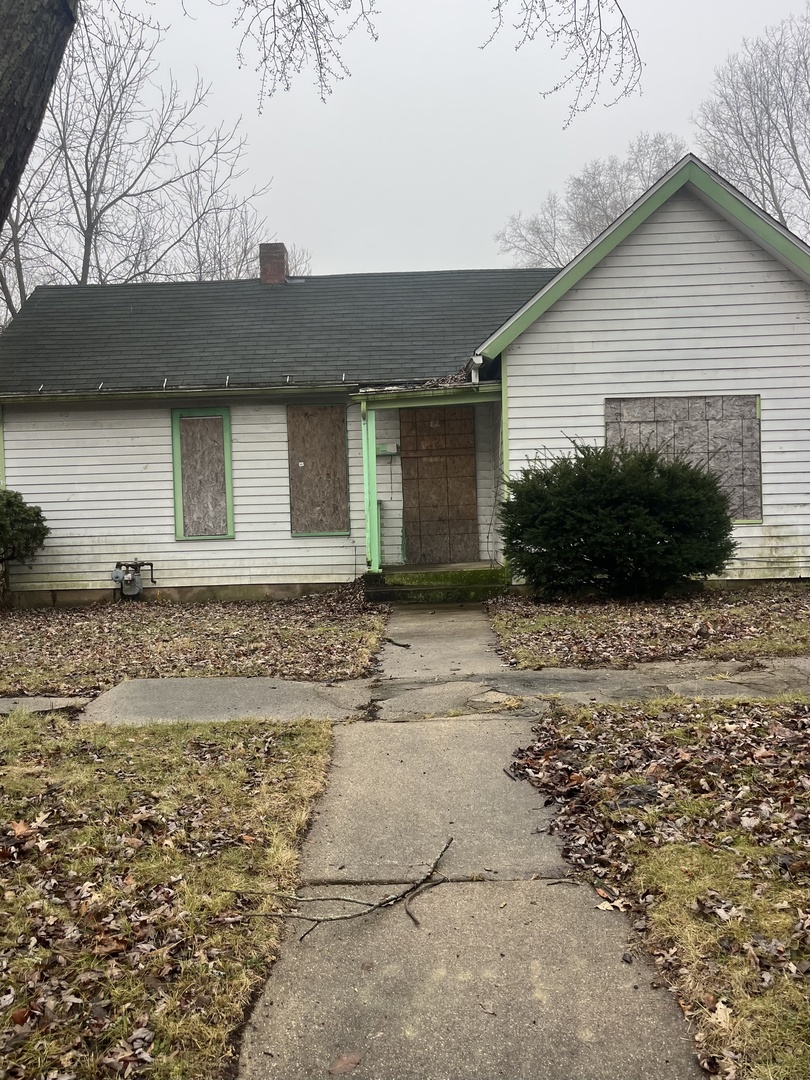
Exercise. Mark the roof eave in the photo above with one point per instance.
(84, 396)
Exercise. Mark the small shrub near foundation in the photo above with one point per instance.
(622, 522)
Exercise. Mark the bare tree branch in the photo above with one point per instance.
(593, 199)
(288, 36)
(594, 37)
(754, 127)
(427, 881)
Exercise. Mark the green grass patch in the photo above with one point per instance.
(132, 860)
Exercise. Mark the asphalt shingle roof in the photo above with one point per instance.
(368, 328)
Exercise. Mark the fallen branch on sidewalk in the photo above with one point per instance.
(399, 644)
(424, 883)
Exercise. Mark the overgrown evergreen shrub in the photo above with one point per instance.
(22, 528)
(624, 522)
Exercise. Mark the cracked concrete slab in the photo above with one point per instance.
(454, 641)
(517, 981)
(143, 701)
(437, 699)
(691, 679)
(40, 704)
(395, 796)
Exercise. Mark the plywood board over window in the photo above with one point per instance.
(319, 473)
(201, 443)
(719, 432)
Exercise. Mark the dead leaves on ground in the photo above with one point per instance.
(323, 637)
(129, 859)
(758, 620)
(695, 817)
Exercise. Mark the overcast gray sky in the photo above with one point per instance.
(416, 161)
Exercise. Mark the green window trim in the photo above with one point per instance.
(314, 535)
(177, 472)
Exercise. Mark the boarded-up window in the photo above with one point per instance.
(202, 473)
(319, 475)
(718, 432)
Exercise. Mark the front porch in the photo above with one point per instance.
(433, 480)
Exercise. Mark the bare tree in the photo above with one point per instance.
(754, 128)
(593, 199)
(124, 184)
(299, 261)
(288, 36)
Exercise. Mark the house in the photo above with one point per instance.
(267, 436)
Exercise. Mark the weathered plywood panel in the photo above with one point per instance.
(202, 469)
(439, 485)
(319, 483)
(687, 307)
(718, 433)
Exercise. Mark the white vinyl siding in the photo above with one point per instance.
(487, 476)
(687, 305)
(389, 489)
(103, 477)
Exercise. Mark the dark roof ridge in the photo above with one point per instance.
(364, 274)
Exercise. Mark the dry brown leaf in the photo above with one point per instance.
(346, 1063)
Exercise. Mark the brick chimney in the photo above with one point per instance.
(272, 264)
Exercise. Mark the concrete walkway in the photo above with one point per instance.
(512, 972)
(444, 664)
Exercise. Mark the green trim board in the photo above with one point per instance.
(177, 471)
(414, 399)
(368, 433)
(505, 418)
(344, 532)
(690, 171)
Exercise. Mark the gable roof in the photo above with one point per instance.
(356, 329)
(708, 186)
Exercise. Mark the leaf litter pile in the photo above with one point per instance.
(323, 637)
(744, 624)
(695, 818)
(132, 860)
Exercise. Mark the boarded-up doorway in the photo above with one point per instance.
(438, 484)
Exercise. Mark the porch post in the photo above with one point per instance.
(368, 427)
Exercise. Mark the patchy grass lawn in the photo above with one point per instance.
(131, 860)
(695, 817)
(743, 624)
(327, 636)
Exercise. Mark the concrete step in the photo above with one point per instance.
(436, 586)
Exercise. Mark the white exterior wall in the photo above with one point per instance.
(487, 477)
(389, 489)
(103, 477)
(687, 305)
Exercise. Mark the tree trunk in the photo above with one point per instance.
(34, 35)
